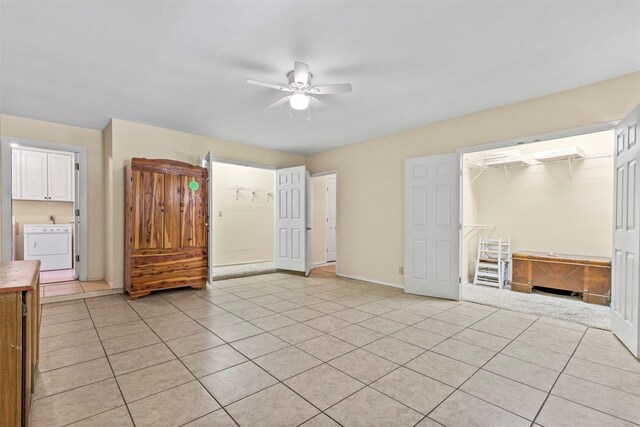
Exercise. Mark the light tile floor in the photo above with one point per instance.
(72, 288)
(284, 350)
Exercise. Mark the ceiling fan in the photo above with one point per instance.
(301, 91)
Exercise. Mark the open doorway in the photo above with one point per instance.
(534, 214)
(242, 217)
(43, 208)
(44, 212)
(433, 216)
(324, 221)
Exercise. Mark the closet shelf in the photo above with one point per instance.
(559, 157)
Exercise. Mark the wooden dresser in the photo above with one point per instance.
(165, 225)
(19, 339)
(590, 276)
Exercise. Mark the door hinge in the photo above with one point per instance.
(77, 212)
(77, 166)
(24, 310)
(459, 280)
(77, 258)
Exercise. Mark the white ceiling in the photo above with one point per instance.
(183, 65)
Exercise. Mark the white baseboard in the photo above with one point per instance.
(366, 279)
(322, 263)
(241, 263)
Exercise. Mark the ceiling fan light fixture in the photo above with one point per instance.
(299, 101)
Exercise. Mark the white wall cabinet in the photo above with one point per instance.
(60, 177)
(44, 175)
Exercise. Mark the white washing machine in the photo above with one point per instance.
(49, 243)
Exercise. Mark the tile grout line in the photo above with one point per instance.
(477, 370)
(282, 381)
(323, 333)
(559, 375)
(182, 363)
(112, 372)
(570, 400)
(383, 336)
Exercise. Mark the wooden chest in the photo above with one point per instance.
(166, 226)
(19, 339)
(590, 276)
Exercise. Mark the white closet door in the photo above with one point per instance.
(291, 219)
(625, 291)
(432, 226)
(331, 218)
(33, 175)
(208, 163)
(60, 168)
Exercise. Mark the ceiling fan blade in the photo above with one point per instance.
(317, 104)
(280, 102)
(269, 85)
(330, 89)
(301, 72)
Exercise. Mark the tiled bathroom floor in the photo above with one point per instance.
(284, 350)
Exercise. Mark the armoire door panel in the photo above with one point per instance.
(148, 210)
(193, 208)
(172, 200)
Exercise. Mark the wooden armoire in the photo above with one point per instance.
(165, 226)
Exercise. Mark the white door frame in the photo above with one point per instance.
(326, 226)
(80, 202)
(335, 172)
(207, 163)
(601, 127)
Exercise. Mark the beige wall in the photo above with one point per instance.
(370, 200)
(319, 217)
(129, 140)
(35, 212)
(541, 208)
(242, 228)
(20, 127)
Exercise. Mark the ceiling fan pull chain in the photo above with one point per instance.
(309, 114)
(290, 112)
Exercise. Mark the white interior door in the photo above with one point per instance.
(291, 228)
(625, 291)
(432, 226)
(331, 218)
(207, 162)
